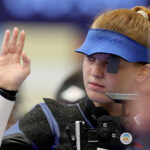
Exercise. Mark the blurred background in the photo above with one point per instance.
(54, 29)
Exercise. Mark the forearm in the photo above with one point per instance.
(6, 107)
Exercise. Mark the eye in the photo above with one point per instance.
(91, 58)
(105, 62)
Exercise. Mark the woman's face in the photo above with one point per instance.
(98, 81)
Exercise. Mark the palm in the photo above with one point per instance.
(12, 72)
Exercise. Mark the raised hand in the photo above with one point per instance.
(14, 64)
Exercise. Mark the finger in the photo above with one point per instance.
(12, 46)
(20, 43)
(4, 48)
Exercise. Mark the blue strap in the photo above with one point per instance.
(13, 130)
(53, 124)
(87, 121)
(35, 147)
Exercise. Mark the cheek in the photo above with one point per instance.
(121, 82)
(86, 72)
(129, 81)
(112, 82)
(115, 83)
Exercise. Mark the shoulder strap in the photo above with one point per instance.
(53, 124)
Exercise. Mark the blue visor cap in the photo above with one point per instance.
(110, 42)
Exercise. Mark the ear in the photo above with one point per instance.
(143, 79)
(144, 73)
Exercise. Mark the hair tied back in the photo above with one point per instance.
(144, 14)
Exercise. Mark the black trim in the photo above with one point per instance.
(10, 95)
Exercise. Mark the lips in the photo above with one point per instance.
(95, 86)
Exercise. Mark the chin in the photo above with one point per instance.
(100, 98)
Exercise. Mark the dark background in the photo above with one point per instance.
(77, 11)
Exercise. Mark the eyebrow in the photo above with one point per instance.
(102, 57)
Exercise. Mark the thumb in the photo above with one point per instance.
(26, 61)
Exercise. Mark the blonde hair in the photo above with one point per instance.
(127, 22)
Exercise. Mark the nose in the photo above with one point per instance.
(98, 69)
